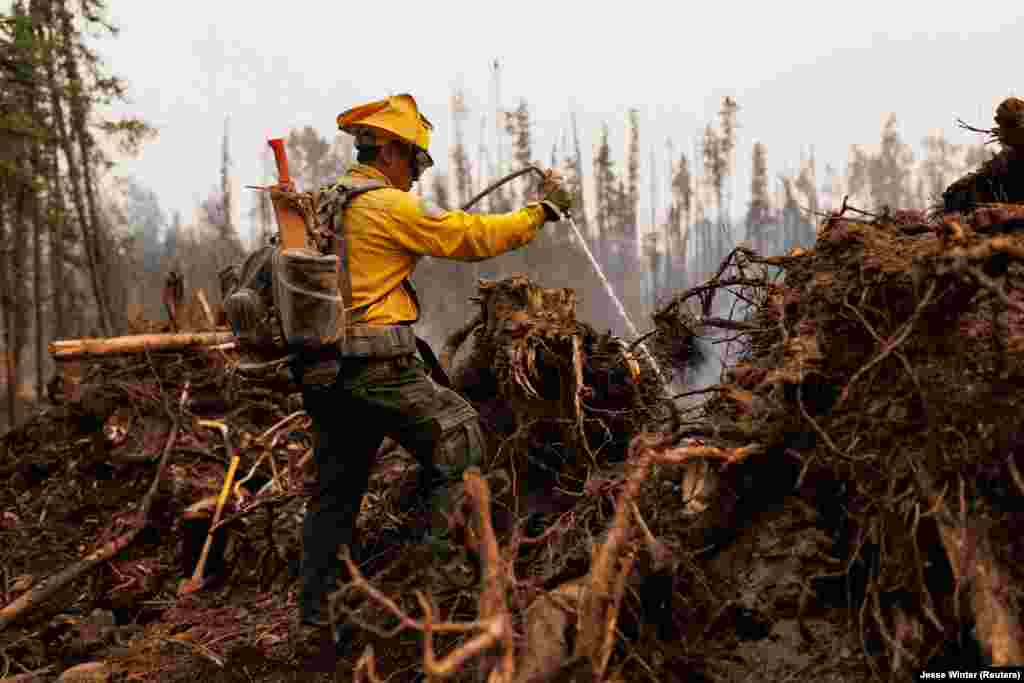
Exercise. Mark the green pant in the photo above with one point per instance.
(371, 399)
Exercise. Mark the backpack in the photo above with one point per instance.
(247, 294)
(309, 289)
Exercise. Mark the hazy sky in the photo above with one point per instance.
(804, 73)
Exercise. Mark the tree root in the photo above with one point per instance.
(602, 594)
(492, 628)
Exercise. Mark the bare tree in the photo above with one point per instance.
(460, 159)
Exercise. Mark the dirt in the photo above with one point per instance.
(809, 535)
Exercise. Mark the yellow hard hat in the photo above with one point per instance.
(394, 117)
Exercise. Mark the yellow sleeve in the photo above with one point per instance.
(424, 228)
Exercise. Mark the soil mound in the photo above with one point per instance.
(845, 504)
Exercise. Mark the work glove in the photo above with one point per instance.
(558, 200)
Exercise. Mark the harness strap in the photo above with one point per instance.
(331, 213)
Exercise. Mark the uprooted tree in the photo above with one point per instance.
(832, 491)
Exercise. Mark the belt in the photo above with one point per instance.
(390, 345)
(376, 341)
(384, 342)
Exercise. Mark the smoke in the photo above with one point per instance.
(706, 368)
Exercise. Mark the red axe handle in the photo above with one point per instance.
(281, 159)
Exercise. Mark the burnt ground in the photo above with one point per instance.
(846, 505)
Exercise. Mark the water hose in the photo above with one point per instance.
(590, 255)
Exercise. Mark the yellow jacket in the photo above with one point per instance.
(388, 230)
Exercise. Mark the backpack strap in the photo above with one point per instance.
(330, 215)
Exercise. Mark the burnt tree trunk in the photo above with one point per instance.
(87, 224)
(38, 172)
(5, 315)
(57, 217)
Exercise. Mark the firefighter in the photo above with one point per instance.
(375, 384)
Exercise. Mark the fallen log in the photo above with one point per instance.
(73, 349)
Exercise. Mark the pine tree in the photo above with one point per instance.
(727, 140)
(653, 257)
(679, 222)
(518, 129)
(632, 172)
(858, 172)
(311, 159)
(938, 168)
(439, 190)
(50, 82)
(886, 177)
(460, 159)
(758, 212)
(604, 189)
(145, 222)
(715, 170)
(890, 170)
(806, 185)
(790, 216)
(172, 242)
(577, 182)
(219, 211)
(230, 229)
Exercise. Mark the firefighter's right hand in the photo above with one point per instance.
(557, 199)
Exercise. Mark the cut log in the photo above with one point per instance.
(72, 349)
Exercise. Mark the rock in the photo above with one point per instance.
(91, 672)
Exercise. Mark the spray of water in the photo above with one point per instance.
(615, 299)
(593, 262)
